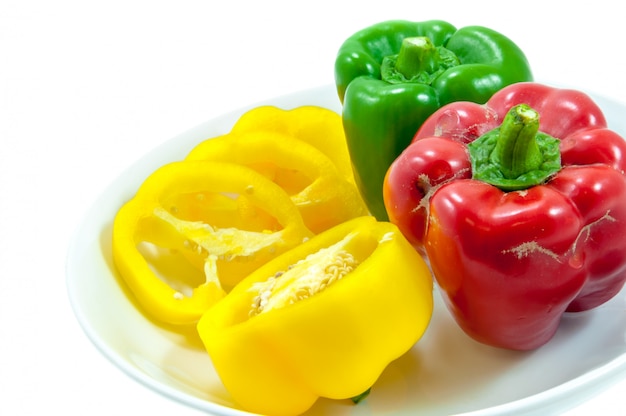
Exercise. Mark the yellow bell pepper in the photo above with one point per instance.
(321, 320)
(317, 126)
(194, 229)
(323, 196)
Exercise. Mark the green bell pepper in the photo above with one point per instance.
(392, 76)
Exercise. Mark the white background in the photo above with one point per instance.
(87, 87)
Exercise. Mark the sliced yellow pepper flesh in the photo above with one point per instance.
(321, 320)
(220, 219)
(323, 196)
(318, 126)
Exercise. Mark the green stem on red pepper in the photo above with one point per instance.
(517, 151)
(418, 60)
(515, 155)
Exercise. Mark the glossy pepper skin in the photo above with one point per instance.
(194, 229)
(391, 76)
(511, 261)
(332, 337)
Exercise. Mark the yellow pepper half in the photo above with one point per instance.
(317, 126)
(194, 229)
(321, 320)
(323, 196)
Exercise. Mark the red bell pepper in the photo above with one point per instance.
(520, 206)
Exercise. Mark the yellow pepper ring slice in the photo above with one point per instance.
(318, 126)
(322, 320)
(322, 195)
(174, 209)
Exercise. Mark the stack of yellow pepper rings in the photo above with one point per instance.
(244, 238)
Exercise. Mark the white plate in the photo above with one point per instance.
(445, 373)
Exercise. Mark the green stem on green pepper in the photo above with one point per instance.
(417, 55)
(418, 61)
